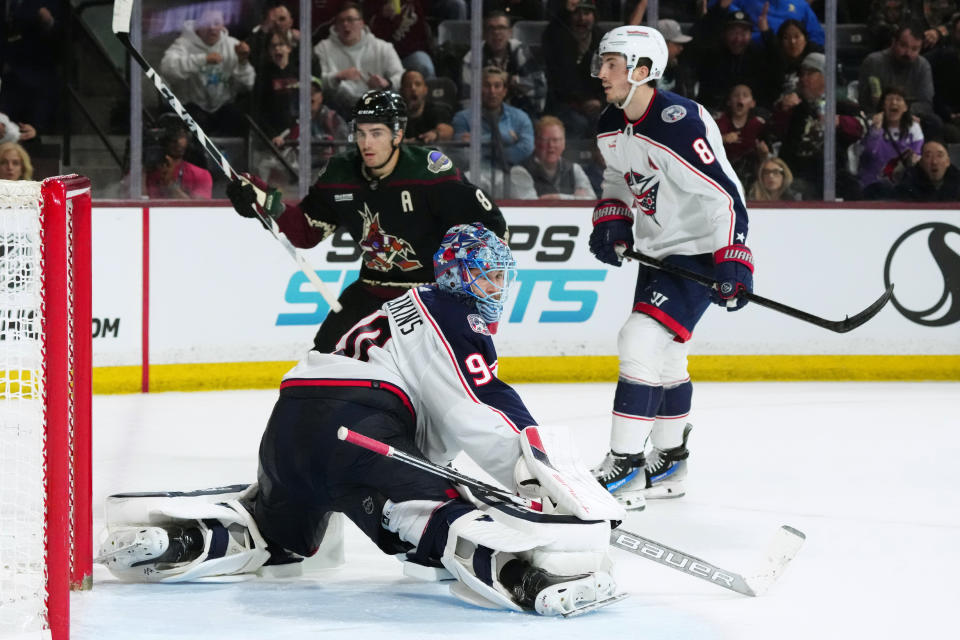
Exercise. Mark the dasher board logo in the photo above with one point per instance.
(935, 246)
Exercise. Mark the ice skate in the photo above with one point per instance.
(666, 470)
(553, 595)
(624, 476)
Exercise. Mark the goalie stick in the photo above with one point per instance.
(840, 326)
(122, 10)
(785, 545)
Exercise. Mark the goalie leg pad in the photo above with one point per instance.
(179, 537)
(475, 566)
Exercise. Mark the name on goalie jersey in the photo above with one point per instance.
(406, 314)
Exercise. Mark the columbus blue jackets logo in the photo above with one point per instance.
(478, 324)
(437, 162)
(382, 251)
(644, 190)
(673, 113)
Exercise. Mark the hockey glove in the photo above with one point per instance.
(612, 227)
(734, 273)
(244, 199)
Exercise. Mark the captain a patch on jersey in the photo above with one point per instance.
(437, 162)
(673, 113)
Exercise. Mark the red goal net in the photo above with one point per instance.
(45, 394)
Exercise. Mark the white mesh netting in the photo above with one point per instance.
(22, 485)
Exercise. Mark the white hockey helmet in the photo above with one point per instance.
(633, 43)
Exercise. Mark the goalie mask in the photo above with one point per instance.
(472, 262)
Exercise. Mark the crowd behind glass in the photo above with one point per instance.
(758, 67)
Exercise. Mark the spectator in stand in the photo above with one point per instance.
(322, 15)
(276, 92)
(209, 70)
(403, 23)
(736, 60)
(326, 128)
(173, 177)
(546, 174)
(886, 18)
(276, 19)
(31, 41)
(527, 85)
(679, 76)
(931, 16)
(354, 61)
(741, 130)
(944, 64)
(775, 182)
(11, 131)
(507, 133)
(516, 9)
(573, 94)
(787, 50)
(932, 179)
(427, 121)
(15, 162)
(899, 65)
(798, 123)
(776, 12)
(892, 145)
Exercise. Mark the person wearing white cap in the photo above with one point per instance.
(669, 190)
(678, 76)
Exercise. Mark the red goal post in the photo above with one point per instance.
(45, 403)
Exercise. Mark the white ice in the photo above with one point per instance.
(867, 470)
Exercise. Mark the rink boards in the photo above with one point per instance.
(208, 300)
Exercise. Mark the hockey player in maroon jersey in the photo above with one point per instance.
(664, 158)
(396, 200)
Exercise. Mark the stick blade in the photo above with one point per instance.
(783, 548)
(122, 10)
(852, 323)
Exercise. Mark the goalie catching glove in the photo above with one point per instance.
(243, 197)
(734, 273)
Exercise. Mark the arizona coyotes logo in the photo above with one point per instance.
(644, 191)
(382, 251)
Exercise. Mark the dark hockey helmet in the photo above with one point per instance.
(384, 107)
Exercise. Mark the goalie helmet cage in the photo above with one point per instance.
(45, 403)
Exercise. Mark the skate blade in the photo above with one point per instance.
(631, 501)
(661, 492)
(596, 604)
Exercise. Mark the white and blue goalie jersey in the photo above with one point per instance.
(437, 350)
(670, 167)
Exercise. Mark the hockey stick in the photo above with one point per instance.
(782, 550)
(122, 10)
(840, 326)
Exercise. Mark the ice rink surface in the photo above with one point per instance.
(867, 470)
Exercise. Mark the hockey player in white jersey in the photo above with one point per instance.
(419, 375)
(669, 191)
